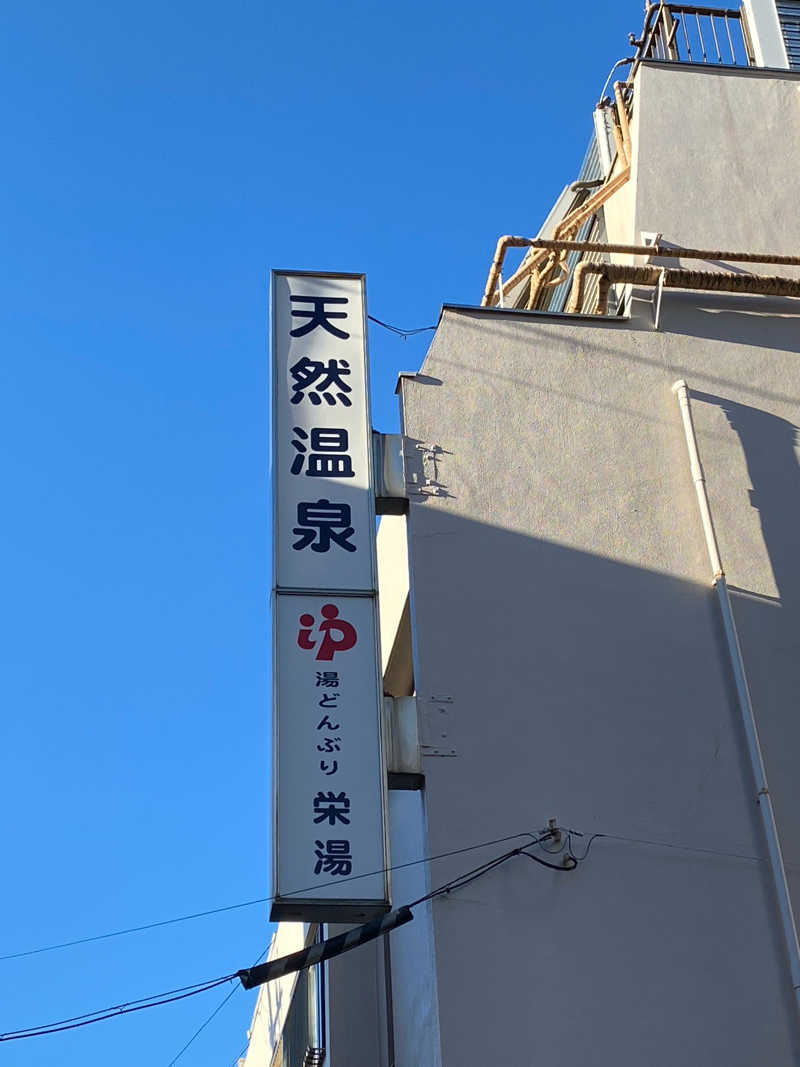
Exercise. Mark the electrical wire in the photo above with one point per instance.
(396, 329)
(75, 1022)
(201, 1028)
(215, 1012)
(157, 999)
(251, 903)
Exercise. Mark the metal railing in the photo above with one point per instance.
(686, 33)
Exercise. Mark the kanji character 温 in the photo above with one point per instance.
(328, 458)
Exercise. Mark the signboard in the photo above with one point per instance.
(329, 777)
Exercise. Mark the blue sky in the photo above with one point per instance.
(160, 158)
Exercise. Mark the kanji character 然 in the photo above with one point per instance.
(319, 378)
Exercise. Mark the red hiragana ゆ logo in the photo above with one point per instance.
(337, 635)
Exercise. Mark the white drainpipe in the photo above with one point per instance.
(763, 797)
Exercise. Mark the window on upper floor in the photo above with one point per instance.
(789, 16)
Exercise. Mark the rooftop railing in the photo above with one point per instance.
(687, 33)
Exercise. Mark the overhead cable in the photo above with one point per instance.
(397, 330)
(258, 974)
(251, 903)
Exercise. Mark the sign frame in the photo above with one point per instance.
(306, 903)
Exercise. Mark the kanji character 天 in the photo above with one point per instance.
(318, 316)
(320, 523)
(316, 378)
(333, 857)
(332, 807)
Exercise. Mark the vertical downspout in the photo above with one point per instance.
(763, 797)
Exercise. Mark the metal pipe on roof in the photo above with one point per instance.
(622, 115)
(674, 278)
(762, 794)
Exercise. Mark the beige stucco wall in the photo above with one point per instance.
(562, 605)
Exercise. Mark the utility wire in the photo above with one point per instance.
(201, 1028)
(250, 903)
(355, 877)
(215, 1012)
(397, 330)
(77, 1021)
(158, 999)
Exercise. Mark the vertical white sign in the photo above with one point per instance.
(322, 472)
(329, 840)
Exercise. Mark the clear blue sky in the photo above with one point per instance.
(159, 159)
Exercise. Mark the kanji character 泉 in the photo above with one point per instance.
(318, 316)
(329, 679)
(333, 857)
(325, 723)
(319, 378)
(330, 645)
(328, 700)
(323, 766)
(330, 744)
(327, 458)
(332, 807)
(318, 523)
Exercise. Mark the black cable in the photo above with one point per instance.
(552, 866)
(397, 330)
(257, 900)
(77, 1021)
(201, 1028)
(215, 1012)
(183, 992)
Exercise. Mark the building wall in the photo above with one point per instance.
(564, 621)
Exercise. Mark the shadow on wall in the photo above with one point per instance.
(771, 638)
(761, 321)
(599, 693)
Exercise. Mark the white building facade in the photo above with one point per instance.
(552, 644)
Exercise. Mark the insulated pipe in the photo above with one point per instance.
(714, 281)
(665, 252)
(763, 796)
(622, 114)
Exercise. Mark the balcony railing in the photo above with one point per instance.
(686, 33)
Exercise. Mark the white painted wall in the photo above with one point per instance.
(765, 33)
(274, 999)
